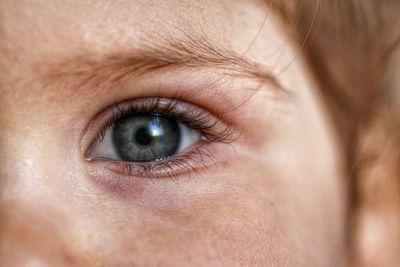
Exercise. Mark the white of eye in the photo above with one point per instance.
(105, 148)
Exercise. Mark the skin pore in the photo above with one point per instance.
(274, 195)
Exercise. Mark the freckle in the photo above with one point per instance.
(68, 259)
(225, 164)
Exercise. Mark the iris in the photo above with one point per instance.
(146, 138)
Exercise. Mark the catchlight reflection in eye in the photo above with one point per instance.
(144, 138)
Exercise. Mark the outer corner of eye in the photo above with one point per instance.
(143, 138)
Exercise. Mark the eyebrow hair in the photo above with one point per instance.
(106, 71)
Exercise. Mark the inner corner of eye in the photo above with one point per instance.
(144, 138)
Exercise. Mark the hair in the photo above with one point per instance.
(351, 49)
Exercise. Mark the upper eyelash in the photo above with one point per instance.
(210, 127)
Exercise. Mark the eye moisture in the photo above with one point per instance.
(146, 138)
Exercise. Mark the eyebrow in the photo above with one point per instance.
(105, 71)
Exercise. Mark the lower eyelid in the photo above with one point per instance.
(188, 163)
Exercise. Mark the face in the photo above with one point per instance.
(146, 133)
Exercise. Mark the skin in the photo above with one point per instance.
(275, 197)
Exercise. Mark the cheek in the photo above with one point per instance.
(252, 212)
(219, 229)
(256, 219)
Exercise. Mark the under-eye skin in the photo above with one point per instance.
(157, 137)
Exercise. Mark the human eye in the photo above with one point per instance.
(157, 137)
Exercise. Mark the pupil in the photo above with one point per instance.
(143, 137)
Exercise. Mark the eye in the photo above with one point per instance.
(145, 138)
(156, 137)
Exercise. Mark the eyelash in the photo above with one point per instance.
(212, 128)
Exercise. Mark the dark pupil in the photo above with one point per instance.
(143, 137)
(146, 138)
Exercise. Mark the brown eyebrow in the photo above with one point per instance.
(106, 71)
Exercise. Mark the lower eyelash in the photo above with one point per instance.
(190, 163)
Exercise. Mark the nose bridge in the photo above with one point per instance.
(20, 152)
(27, 236)
(27, 118)
(35, 230)
(35, 227)
(30, 230)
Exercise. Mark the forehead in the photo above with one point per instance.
(36, 33)
(42, 27)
